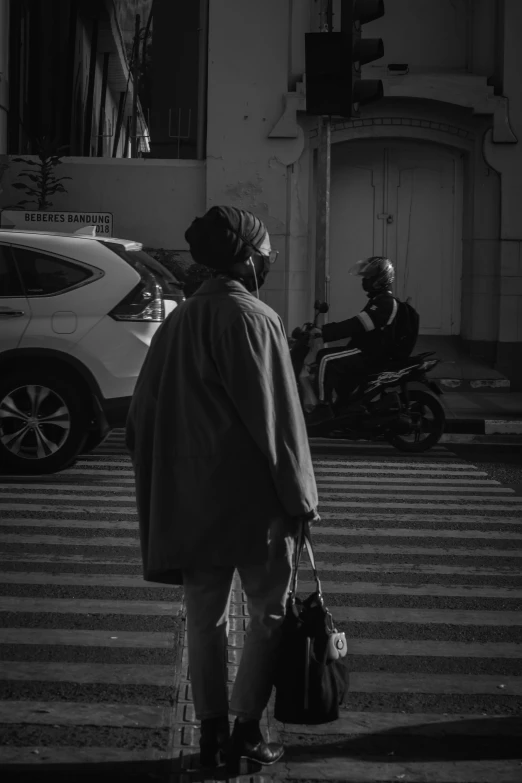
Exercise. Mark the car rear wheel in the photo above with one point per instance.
(44, 421)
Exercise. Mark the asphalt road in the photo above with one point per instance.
(420, 561)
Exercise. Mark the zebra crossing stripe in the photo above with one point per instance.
(81, 714)
(32, 558)
(101, 580)
(122, 543)
(386, 682)
(161, 675)
(89, 606)
(15, 538)
(382, 532)
(391, 614)
(486, 552)
(354, 771)
(347, 464)
(436, 519)
(319, 530)
(380, 491)
(327, 480)
(398, 505)
(86, 491)
(99, 673)
(79, 638)
(365, 507)
(401, 492)
(431, 648)
(324, 480)
(81, 524)
(499, 571)
(410, 591)
(44, 755)
(385, 486)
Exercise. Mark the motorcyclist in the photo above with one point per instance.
(371, 340)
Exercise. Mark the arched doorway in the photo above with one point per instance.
(401, 198)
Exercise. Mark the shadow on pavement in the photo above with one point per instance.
(184, 770)
(479, 739)
(464, 740)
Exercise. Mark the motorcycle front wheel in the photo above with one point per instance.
(430, 418)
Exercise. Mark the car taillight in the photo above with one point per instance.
(143, 303)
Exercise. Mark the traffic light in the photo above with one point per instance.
(355, 13)
(328, 74)
(333, 63)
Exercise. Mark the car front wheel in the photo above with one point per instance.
(44, 422)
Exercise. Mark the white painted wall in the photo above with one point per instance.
(426, 34)
(248, 76)
(152, 201)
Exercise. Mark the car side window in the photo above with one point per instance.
(10, 284)
(43, 275)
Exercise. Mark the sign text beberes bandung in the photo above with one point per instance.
(56, 221)
(101, 220)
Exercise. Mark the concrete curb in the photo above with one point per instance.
(475, 426)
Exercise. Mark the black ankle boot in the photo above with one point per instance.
(247, 742)
(213, 741)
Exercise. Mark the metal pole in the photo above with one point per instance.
(103, 103)
(135, 84)
(202, 78)
(322, 238)
(89, 104)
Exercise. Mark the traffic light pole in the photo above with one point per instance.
(322, 236)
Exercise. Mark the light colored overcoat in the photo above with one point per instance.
(217, 435)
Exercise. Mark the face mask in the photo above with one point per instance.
(260, 277)
(263, 274)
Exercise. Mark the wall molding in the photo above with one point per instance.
(457, 89)
(397, 122)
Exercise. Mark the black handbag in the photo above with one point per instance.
(311, 678)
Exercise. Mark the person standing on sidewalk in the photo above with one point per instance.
(223, 474)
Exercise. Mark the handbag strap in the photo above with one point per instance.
(303, 539)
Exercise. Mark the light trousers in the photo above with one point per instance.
(207, 600)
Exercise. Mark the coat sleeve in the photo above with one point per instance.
(254, 364)
(340, 330)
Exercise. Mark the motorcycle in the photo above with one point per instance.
(383, 406)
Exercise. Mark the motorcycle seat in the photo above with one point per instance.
(399, 364)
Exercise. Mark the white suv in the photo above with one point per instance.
(77, 314)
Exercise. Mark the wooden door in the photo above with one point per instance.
(403, 200)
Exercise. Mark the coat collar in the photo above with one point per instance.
(220, 285)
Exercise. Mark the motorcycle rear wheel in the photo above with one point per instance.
(421, 402)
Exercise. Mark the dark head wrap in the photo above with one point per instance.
(224, 236)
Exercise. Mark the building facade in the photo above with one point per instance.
(431, 175)
(67, 77)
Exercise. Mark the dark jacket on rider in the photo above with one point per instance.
(371, 330)
(217, 435)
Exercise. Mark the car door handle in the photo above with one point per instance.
(6, 312)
